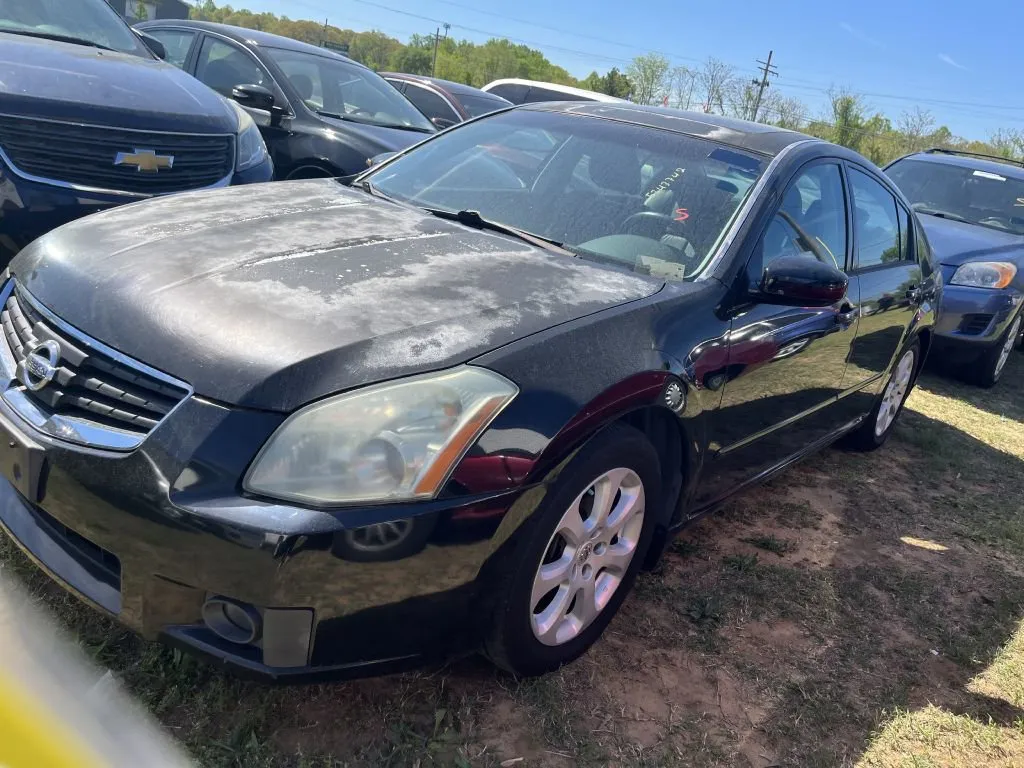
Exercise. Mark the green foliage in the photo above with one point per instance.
(713, 86)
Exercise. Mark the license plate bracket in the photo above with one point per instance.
(22, 461)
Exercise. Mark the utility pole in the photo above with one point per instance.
(437, 40)
(323, 35)
(763, 83)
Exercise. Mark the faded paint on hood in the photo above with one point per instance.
(956, 242)
(273, 295)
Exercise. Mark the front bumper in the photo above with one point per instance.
(972, 319)
(147, 537)
(30, 209)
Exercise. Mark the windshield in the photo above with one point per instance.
(91, 21)
(477, 104)
(987, 198)
(335, 87)
(648, 200)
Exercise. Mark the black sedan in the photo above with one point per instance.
(321, 114)
(305, 428)
(444, 102)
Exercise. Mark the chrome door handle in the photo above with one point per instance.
(847, 316)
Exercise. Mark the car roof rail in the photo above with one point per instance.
(965, 153)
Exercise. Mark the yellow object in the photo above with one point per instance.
(33, 737)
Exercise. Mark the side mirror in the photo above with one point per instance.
(378, 159)
(442, 122)
(153, 44)
(802, 281)
(253, 96)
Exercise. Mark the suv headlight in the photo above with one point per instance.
(251, 150)
(389, 442)
(984, 274)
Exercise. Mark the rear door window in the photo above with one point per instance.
(177, 43)
(514, 92)
(876, 222)
(429, 103)
(547, 94)
(223, 65)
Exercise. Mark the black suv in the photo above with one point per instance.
(321, 113)
(91, 118)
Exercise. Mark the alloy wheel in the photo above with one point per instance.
(587, 556)
(895, 392)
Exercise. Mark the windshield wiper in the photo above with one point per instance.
(58, 38)
(940, 214)
(475, 220)
(351, 119)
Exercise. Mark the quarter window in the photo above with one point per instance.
(876, 222)
(222, 66)
(811, 220)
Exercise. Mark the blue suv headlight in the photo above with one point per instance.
(251, 150)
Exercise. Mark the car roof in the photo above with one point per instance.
(566, 89)
(1008, 168)
(447, 85)
(757, 137)
(252, 37)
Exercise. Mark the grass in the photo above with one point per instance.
(859, 610)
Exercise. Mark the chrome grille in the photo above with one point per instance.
(84, 156)
(96, 396)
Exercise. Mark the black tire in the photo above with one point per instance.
(510, 642)
(866, 437)
(987, 371)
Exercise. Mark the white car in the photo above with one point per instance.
(527, 91)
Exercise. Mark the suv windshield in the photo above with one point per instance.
(649, 200)
(333, 87)
(91, 22)
(988, 198)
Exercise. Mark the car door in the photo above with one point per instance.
(433, 105)
(785, 364)
(888, 278)
(177, 42)
(222, 64)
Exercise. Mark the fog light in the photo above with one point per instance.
(231, 620)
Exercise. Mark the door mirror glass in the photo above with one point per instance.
(253, 96)
(802, 281)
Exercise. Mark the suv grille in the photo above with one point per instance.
(96, 397)
(84, 155)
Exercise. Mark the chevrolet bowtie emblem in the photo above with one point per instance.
(145, 160)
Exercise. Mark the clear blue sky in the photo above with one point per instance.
(957, 60)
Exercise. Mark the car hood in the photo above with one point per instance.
(956, 242)
(272, 295)
(62, 81)
(378, 138)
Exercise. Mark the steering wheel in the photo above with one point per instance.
(649, 220)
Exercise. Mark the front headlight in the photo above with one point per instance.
(251, 149)
(985, 274)
(389, 442)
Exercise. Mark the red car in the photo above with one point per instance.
(444, 102)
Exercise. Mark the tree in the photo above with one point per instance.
(616, 84)
(648, 75)
(847, 118)
(682, 82)
(593, 82)
(374, 49)
(715, 78)
(141, 11)
(915, 124)
(784, 112)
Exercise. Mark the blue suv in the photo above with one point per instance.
(90, 117)
(972, 209)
